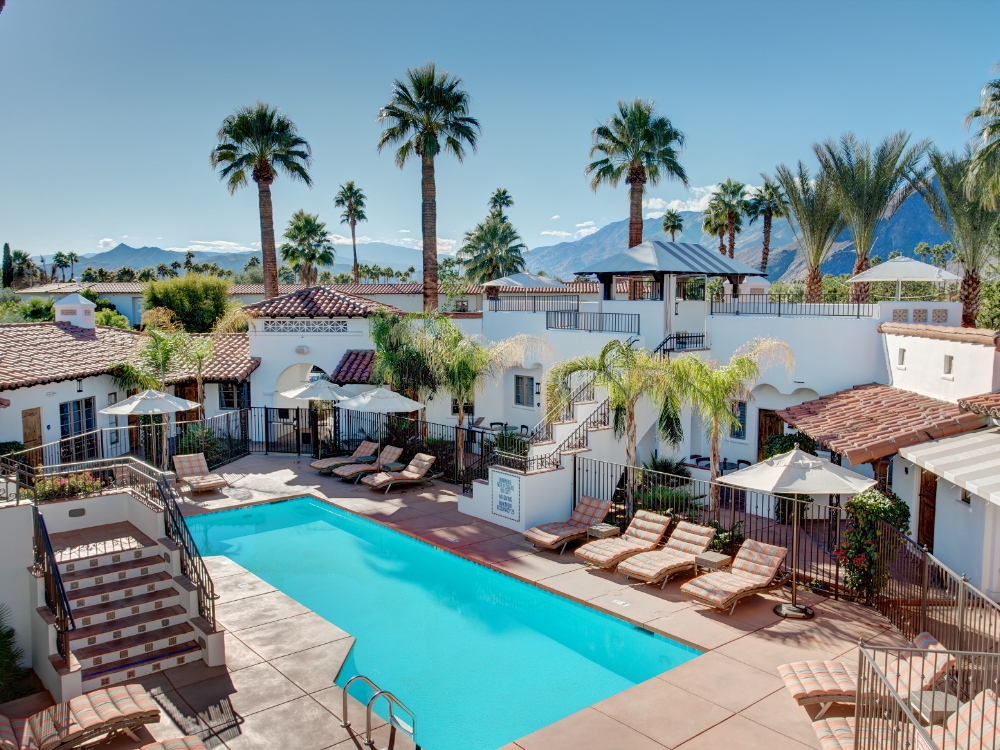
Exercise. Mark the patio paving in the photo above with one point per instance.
(275, 689)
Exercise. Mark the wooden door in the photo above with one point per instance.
(928, 508)
(768, 424)
(31, 431)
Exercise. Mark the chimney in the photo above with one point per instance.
(76, 310)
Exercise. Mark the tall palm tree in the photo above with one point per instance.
(257, 142)
(428, 113)
(641, 146)
(628, 374)
(73, 259)
(714, 223)
(732, 200)
(352, 200)
(983, 176)
(403, 354)
(815, 218)
(500, 200)
(967, 219)
(308, 246)
(871, 185)
(673, 222)
(492, 250)
(23, 266)
(714, 390)
(768, 203)
(60, 262)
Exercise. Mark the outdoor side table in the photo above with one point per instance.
(603, 530)
(366, 459)
(933, 706)
(394, 466)
(713, 560)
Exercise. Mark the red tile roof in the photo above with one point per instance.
(317, 302)
(987, 404)
(231, 362)
(354, 367)
(981, 336)
(869, 422)
(259, 288)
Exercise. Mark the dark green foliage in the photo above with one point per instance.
(989, 305)
(871, 517)
(777, 444)
(38, 310)
(675, 501)
(218, 449)
(7, 275)
(785, 507)
(727, 541)
(12, 675)
(674, 466)
(196, 301)
(11, 446)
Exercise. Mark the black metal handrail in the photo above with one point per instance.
(534, 303)
(644, 289)
(679, 342)
(593, 322)
(192, 564)
(523, 463)
(562, 411)
(789, 305)
(55, 594)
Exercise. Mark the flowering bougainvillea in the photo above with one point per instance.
(70, 485)
(866, 534)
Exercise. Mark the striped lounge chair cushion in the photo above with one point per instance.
(191, 465)
(919, 671)
(647, 528)
(652, 566)
(690, 539)
(206, 482)
(835, 733)
(644, 533)
(757, 561)
(419, 465)
(589, 511)
(972, 727)
(388, 455)
(554, 534)
(181, 743)
(810, 680)
(8, 740)
(755, 566)
(366, 448)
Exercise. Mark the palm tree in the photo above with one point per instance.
(714, 222)
(428, 113)
(24, 267)
(352, 200)
(641, 146)
(628, 374)
(146, 274)
(870, 185)
(983, 176)
(188, 261)
(769, 203)
(308, 246)
(403, 354)
(257, 142)
(492, 250)
(673, 222)
(60, 261)
(714, 390)
(815, 218)
(73, 259)
(197, 352)
(967, 219)
(732, 200)
(162, 270)
(500, 200)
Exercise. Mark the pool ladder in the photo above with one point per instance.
(395, 722)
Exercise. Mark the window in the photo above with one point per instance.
(460, 305)
(738, 430)
(901, 359)
(949, 363)
(76, 417)
(113, 418)
(234, 395)
(966, 497)
(470, 409)
(524, 390)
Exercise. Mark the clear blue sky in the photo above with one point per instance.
(108, 108)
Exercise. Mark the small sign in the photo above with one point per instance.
(506, 495)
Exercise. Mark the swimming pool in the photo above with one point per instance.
(480, 657)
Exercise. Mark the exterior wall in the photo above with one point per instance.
(16, 556)
(975, 368)
(965, 536)
(39, 395)
(544, 497)
(906, 484)
(889, 311)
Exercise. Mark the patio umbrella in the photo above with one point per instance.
(381, 401)
(320, 390)
(527, 281)
(152, 403)
(902, 269)
(800, 473)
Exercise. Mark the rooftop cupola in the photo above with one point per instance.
(76, 310)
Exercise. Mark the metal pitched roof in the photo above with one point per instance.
(653, 256)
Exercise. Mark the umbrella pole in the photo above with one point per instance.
(794, 611)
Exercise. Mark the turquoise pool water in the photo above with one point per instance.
(480, 657)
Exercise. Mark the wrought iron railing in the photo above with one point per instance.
(533, 303)
(679, 342)
(789, 305)
(43, 484)
(577, 440)
(55, 596)
(643, 289)
(593, 322)
(562, 411)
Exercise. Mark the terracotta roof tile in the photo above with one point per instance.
(986, 403)
(317, 302)
(354, 367)
(872, 421)
(979, 336)
(231, 362)
(259, 288)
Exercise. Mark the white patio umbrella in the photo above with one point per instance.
(904, 269)
(382, 401)
(321, 390)
(800, 473)
(152, 403)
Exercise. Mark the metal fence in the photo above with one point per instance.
(593, 322)
(735, 514)
(645, 289)
(533, 303)
(789, 305)
(679, 342)
(955, 707)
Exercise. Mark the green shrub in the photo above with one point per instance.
(70, 485)
(668, 500)
(989, 305)
(777, 444)
(13, 677)
(11, 446)
(785, 507)
(864, 572)
(196, 301)
(38, 310)
(727, 541)
(673, 466)
(199, 439)
(111, 318)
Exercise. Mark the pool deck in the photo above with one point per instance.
(282, 658)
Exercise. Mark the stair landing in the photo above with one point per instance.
(93, 541)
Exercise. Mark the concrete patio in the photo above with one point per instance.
(278, 689)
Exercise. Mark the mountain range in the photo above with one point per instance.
(911, 224)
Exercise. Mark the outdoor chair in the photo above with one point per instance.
(754, 571)
(525, 430)
(389, 454)
(107, 712)
(367, 449)
(642, 535)
(742, 463)
(415, 473)
(679, 554)
(498, 425)
(829, 682)
(703, 461)
(192, 470)
(588, 512)
(181, 743)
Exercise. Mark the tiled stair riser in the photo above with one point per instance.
(114, 629)
(77, 564)
(75, 581)
(158, 642)
(141, 670)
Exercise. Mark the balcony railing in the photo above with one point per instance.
(534, 303)
(593, 322)
(645, 290)
(680, 342)
(784, 305)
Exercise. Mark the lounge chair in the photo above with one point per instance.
(388, 455)
(365, 450)
(588, 512)
(642, 535)
(686, 542)
(415, 473)
(754, 571)
(192, 470)
(181, 743)
(829, 682)
(99, 713)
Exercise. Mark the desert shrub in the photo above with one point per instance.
(727, 541)
(871, 517)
